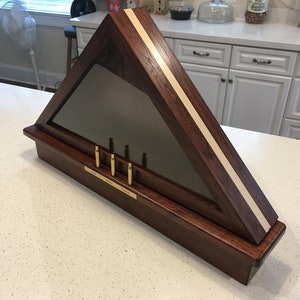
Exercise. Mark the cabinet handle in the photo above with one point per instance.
(223, 80)
(262, 61)
(200, 53)
(230, 80)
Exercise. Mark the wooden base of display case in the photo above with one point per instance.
(235, 256)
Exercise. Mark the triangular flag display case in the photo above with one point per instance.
(128, 123)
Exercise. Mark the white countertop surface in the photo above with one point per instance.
(268, 35)
(59, 240)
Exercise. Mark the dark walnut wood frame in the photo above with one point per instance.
(236, 232)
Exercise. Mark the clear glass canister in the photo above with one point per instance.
(215, 11)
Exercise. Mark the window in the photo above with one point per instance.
(61, 7)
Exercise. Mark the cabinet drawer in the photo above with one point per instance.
(83, 36)
(263, 60)
(203, 53)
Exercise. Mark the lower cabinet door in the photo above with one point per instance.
(255, 101)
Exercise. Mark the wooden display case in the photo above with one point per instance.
(128, 123)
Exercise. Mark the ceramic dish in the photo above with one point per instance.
(181, 12)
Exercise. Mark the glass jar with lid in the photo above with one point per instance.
(215, 11)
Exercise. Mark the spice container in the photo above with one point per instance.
(256, 11)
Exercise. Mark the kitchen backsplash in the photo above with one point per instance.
(279, 10)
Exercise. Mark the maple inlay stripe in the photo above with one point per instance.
(202, 127)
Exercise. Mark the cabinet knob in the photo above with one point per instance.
(223, 80)
(200, 53)
(261, 61)
(230, 80)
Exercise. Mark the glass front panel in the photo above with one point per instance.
(106, 106)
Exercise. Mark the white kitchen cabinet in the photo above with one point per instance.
(291, 123)
(210, 54)
(211, 83)
(255, 101)
(245, 87)
(259, 82)
(207, 66)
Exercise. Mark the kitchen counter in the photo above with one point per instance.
(268, 35)
(59, 240)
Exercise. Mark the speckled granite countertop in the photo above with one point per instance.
(59, 240)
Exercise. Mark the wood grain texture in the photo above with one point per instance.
(229, 225)
(233, 255)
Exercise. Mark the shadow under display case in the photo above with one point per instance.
(128, 123)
